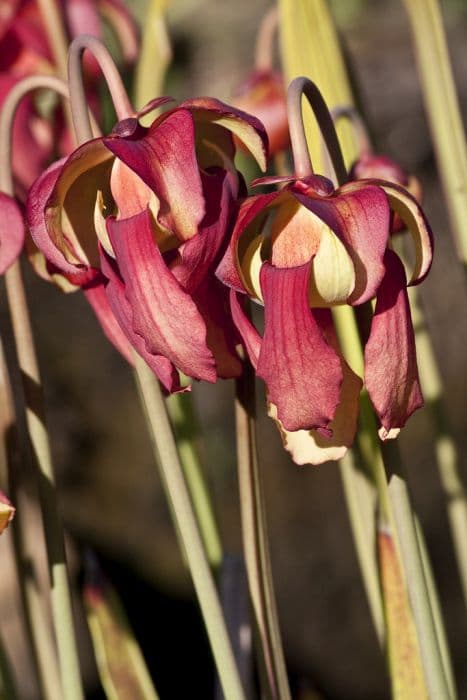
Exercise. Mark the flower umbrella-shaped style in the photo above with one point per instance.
(300, 251)
(139, 220)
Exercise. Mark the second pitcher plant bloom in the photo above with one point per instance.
(144, 214)
(300, 251)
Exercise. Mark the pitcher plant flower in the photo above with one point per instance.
(25, 50)
(139, 219)
(262, 93)
(301, 251)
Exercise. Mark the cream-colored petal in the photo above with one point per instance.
(99, 224)
(333, 278)
(251, 266)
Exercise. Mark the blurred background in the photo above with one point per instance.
(111, 496)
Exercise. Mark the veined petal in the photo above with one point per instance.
(132, 196)
(97, 298)
(229, 269)
(11, 231)
(411, 213)
(310, 446)
(250, 336)
(295, 233)
(302, 372)
(199, 254)
(165, 159)
(69, 212)
(391, 374)
(115, 290)
(359, 215)
(35, 217)
(211, 298)
(163, 314)
(247, 128)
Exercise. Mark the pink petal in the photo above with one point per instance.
(245, 127)
(359, 215)
(228, 270)
(302, 372)
(165, 159)
(391, 375)
(250, 336)
(11, 232)
(163, 314)
(211, 298)
(404, 204)
(97, 297)
(115, 291)
(39, 194)
(199, 254)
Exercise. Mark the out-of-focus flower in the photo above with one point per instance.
(301, 251)
(263, 91)
(7, 512)
(139, 220)
(263, 95)
(24, 50)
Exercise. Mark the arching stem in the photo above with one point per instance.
(265, 38)
(33, 403)
(79, 106)
(302, 161)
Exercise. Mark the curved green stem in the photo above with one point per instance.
(33, 403)
(255, 541)
(172, 474)
(79, 106)
(297, 88)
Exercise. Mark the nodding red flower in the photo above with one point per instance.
(301, 251)
(139, 220)
(25, 50)
(263, 94)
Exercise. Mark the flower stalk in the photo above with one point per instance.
(35, 417)
(172, 473)
(255, 541)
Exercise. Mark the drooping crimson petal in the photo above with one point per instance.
(302, 372)
(69, 212)
(391, 375)
(360, 216)
(163, 314)
(97, 297)
(228, 270)
(58, 268)
(250, 336)
(115, 291)
(165, 159)
(11, 231)
(202, 252)
(247, 128)
(211, 298)
(404, 204)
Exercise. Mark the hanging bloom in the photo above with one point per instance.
(25, 50)
(139, 220)
(299, 252)
(263, 94)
